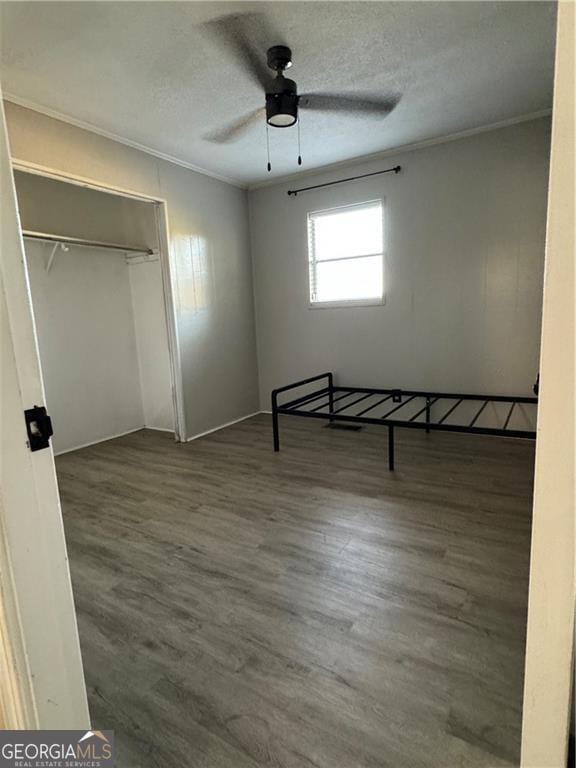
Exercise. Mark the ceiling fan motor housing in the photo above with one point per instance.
(279, 57)
(282, 103)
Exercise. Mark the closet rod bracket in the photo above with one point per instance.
(52, 256)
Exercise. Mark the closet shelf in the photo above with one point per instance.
(50, 238)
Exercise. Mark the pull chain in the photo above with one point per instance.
(299, 150)
(268, 147)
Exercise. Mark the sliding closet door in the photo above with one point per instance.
(41, 677)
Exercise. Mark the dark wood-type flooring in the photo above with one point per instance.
(307, 609)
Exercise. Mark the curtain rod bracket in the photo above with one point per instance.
(294, 192)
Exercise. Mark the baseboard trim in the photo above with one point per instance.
(157, 429)
(101, 440)
(222, 426)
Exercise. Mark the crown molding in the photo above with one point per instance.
(360, 159)
(321, 169)
(54, 114)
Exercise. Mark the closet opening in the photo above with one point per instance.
(99, 273)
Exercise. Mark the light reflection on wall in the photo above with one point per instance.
(191, 273)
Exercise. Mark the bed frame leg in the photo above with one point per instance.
(428, 403)
(391, 448)
(275, 427)
(331, 394)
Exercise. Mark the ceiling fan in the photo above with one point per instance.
(245, 36)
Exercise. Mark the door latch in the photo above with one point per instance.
(38, 427)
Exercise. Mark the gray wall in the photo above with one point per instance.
(464, 237)
(56, 207)
(465, 224)
(152, 344)
(209, 249)
(50, 205)
(213, 295)
(83, 314)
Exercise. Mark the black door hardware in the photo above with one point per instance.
(38, 427)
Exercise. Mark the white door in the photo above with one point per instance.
(41, 676)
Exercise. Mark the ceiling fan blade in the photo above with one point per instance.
(247, 36)
(234, 130)
(342, 102)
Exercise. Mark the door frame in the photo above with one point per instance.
(41, 676)
(163, 231)
(552, 593)
(16, 695)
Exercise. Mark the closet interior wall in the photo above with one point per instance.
(100, 317)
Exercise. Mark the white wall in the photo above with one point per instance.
(87, 341)
(209, 251)
(152, 344)
(464, 234)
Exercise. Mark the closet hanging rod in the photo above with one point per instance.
(49, 238)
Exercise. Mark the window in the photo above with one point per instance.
(346, 255)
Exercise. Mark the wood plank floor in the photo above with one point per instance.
(239, 608)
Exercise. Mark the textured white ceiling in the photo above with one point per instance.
(150, 73)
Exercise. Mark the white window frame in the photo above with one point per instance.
(344, 303)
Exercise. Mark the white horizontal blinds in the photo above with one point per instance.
(345, 248)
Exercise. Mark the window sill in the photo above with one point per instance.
(347, 304)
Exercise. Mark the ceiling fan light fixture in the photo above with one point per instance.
(281, 109)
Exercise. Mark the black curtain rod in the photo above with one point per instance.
(396, 169)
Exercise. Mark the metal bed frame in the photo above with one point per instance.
(326, 405)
